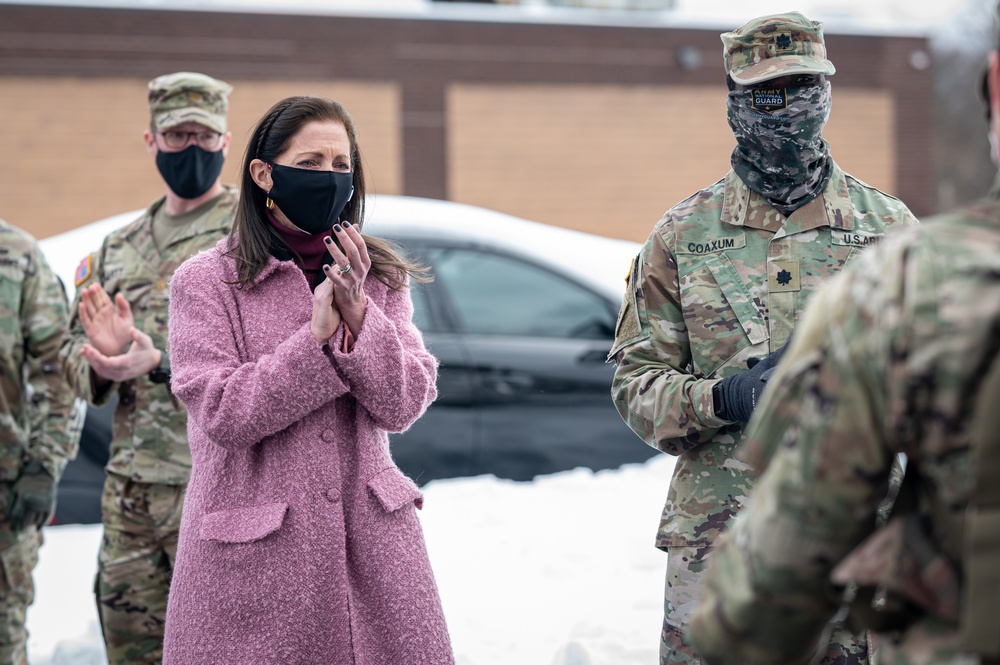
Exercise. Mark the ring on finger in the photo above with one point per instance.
(343, 270)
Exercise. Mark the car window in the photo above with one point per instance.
(422, 318)
(500, 295)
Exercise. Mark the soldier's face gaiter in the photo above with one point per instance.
(190, 172)
(780, 152)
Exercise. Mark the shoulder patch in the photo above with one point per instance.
(83, 270)
(628, 328)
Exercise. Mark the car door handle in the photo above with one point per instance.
(493, 383)
(593, 356)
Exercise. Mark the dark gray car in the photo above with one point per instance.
(521, 317)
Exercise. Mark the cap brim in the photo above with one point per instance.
(775, 67)
(191, 114)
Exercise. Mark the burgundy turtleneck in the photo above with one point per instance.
(312, 254)
(311, 250)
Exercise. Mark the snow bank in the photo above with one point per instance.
(558, 571)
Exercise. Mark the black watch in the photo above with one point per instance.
(717, 400)
(161, 374)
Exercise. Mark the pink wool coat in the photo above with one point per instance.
(299, 541)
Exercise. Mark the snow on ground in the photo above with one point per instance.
(558, 571)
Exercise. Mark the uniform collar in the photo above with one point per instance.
(742, 206)
(219, 218)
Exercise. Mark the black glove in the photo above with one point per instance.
(735, 397)
(33, 498)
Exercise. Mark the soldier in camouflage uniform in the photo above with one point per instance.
(717, 289)
(40, 423)
(118, 347)
(889, 358)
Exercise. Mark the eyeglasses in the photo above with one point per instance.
(206, 140)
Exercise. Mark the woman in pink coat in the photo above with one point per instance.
(293, 350)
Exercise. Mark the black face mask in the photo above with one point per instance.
(190, 172)
(312, 200)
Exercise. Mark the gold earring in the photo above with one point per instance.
(269, 204)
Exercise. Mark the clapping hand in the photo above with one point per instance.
(140, 358)
(325, 315)
(347, 274)
(106, 322)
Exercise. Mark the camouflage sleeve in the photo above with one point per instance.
(653, 389)
(54, 415)
(820, 432)
(75, 366)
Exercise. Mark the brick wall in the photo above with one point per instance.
(75, 149)
(599, 128)
(610, 159)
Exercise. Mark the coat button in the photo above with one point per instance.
(333, 496)
(328, 435)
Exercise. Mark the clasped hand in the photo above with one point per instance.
(33, 498)
(739, 394)
(341, 295)
(117, 350)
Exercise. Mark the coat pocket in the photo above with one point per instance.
(394, 490)
(243, 525)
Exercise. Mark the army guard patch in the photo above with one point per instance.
(82, 271)
(768, 99)
(783, 276)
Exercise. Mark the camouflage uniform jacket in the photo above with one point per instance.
(149, 443)
(39, 418)
(723, 278)
(887, 359)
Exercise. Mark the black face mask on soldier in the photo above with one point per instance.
(190, 172)
(312, 200)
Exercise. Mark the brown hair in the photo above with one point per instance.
(252, 236)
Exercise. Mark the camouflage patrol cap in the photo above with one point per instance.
(773, 46)
(188, 97)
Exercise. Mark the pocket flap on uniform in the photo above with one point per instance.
(739, 298)
(243, 525)
(394, 490)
